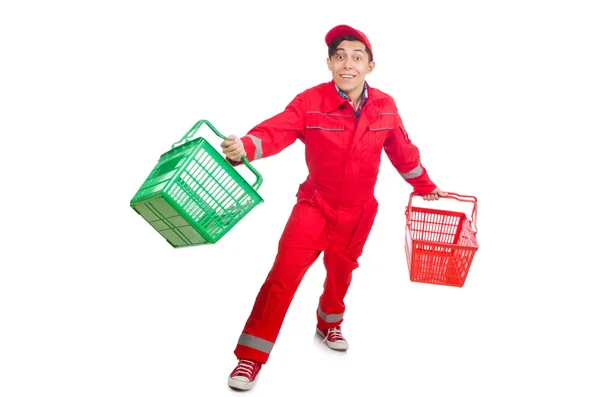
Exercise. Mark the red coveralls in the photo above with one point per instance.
(335, 207)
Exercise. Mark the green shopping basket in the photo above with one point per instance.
(194, 196)
(440, 245)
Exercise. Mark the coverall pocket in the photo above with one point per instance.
(304, 227)
(306, 195)
(364, 226)
(324, 122)
(379, 130)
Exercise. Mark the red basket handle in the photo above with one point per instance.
(455, 196)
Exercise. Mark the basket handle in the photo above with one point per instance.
(195, 128)
(455, 196)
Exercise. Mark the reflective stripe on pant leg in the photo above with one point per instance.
(329, 318)
(256, 343)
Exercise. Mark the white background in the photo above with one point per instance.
(502, 98)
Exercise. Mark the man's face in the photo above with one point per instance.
(349, 66)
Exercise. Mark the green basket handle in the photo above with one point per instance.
(455, 196)
(195, 128)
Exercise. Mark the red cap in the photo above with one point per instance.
(345, 30)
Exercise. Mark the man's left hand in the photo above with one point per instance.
(434, 195)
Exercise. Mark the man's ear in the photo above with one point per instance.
(329, 64)
(371, 66)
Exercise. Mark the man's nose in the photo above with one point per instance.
(348, 64)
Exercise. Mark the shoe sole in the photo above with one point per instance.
(322, 335)
(239, 385)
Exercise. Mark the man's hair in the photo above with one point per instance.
(335, 43)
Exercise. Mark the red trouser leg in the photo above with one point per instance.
(298, 250)
(339, 267)
(346, 243)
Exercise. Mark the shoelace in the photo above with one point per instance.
(244, 368)
(335, 333)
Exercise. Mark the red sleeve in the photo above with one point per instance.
(405, 157)
(275, 134)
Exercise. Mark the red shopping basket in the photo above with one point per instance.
(440, 244)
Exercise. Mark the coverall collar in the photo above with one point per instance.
(335, 97)
(362, 99)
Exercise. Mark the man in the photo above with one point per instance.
(345, 125)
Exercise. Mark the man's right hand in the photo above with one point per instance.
(233, 148)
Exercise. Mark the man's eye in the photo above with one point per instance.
(357, 58)
(340, 57)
